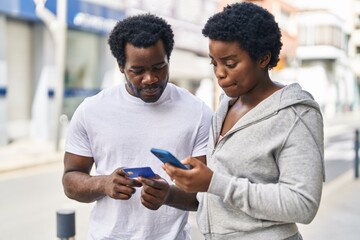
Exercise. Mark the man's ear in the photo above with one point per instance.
(264, 60)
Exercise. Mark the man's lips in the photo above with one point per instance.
(151, 91)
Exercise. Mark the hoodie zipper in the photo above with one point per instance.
(216, 144)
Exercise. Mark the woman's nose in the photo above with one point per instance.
(219, 72)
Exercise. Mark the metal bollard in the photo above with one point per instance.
(65, 224)
(356, 153)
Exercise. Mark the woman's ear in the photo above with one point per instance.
(121, 68)
(264, 60)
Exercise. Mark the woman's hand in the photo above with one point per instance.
(196, 179)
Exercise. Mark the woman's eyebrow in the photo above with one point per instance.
(228, 57)
(225, 57)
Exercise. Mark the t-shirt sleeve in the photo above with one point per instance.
(203, 132)
(77, 140)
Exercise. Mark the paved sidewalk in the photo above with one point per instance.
(338, 217)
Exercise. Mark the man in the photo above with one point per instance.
(117, 128)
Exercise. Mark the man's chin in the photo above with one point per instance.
(150, 99)
(151, 95)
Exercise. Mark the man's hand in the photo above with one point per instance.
(119, 186)
(154, 192)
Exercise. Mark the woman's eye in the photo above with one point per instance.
(232, 65)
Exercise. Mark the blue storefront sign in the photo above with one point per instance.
(82, 15)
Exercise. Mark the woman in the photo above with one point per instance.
(265, 166)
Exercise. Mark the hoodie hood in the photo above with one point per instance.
(288, 96)
(294, 94)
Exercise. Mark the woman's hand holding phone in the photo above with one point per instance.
(196, 179)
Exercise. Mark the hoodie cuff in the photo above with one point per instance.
(219, 184)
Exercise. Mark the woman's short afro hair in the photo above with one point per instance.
(252, 26)
(142, 31)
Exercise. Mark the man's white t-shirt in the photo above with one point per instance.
(118, 130)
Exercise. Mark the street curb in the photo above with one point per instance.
(35, 162)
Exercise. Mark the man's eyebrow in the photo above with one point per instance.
(160, 63)
(156, 64)
(136, 67)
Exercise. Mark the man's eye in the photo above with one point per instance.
(213, 63)
(159, 67)
(137, 71)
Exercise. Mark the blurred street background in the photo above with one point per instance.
(54, 53)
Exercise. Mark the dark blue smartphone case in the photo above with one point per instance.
(167, 157)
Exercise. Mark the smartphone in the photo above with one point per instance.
(167, 157)
(145, 172)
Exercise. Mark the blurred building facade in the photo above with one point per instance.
(317, 50)
(27, 56)
(324, 67)
(354, 45)
(321, 49)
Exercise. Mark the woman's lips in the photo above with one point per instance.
(226, 86)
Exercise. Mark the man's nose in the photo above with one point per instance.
(150, 78)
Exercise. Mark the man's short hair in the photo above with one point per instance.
(142, 31)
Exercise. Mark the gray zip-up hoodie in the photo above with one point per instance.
(268, 169)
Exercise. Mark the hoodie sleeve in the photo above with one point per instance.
(296, 195)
